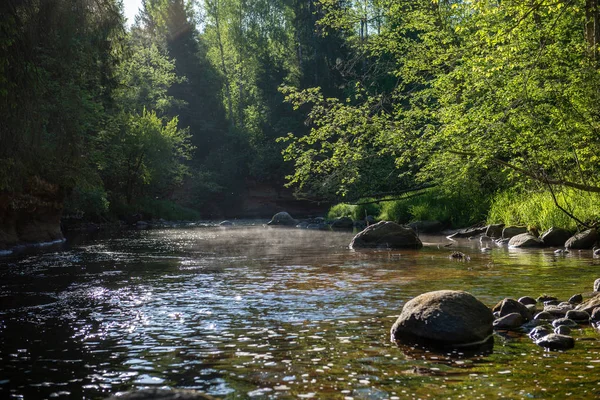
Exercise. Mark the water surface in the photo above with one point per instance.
(252, 312)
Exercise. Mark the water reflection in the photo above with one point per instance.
(254, 312)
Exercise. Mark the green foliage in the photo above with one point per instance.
(457, 210)
(537, 208)
(89, 203)
(341, 210)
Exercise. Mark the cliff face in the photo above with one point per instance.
(32, 215)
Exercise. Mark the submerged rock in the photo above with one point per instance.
(386, 234)
(444, 318)
(555, 341)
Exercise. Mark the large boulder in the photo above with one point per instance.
(524, 240)
(386, 234)
(556, 237)
(583, 240)
(511, 231)
(342, 223)
(282, 219)
(444, 318)
(494, 230)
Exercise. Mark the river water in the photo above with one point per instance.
(253, 312)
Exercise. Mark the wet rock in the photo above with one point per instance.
(466, 233)
(162, 394)
(302, 225)
(427, 226)
(525, 240)
(566, 322)
(226, 223)
(494, 230)
(555, 237)
(342, 223)
(509, 306)
(318, 227)
(502, 242)
(551, 303)
(566, 304)
(539, 332)
(496, 314)
(556, 311)
(576, 299)
(458, 255)
(581, 317)
(526, 300)
(582, 240)
(562, 330)
(511, 231)
(589, 305)
(386, 234)
(544, 316)
(554, 341)
(597, 285)
(545, 297)
(595, 316)
(510, 321)
(282, 219)
(532, 308)
(445, 317)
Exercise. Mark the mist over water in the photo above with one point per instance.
(256, 312)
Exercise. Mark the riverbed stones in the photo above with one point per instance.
(466, 233)
(589, 305)
(595, 316)
(583, 240)
(581, 317)
(544, 316)
(386, 234)
(539, 332)
(576, 299)
(511, 231)
(525, 240)
(597, 285)
(557, 311)
(543, 298)
(282, 219)
(555, 341)
(555, 236)
(562, 330)
(527, 300)
(444, 318)
(510, 321)
(509, 306)
(494, 230)
(162, 394)
(565, 321)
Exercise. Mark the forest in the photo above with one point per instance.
(458, 111)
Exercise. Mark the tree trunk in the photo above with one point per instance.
(592, 27)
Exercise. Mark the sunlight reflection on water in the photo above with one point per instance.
(269, 312)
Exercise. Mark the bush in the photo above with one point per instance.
(88, 203)
(537, 208)
(341, 210)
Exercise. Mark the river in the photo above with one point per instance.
(255, 312)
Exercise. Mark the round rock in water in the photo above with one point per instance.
(510, 321)
(583, 240)
(539, 332)
(525, 240)
(576, 299)
(444, 318)
(589, 305)
(526, 300)
(509, 306)
(562, 330)
(565, 322)
(386, 234)
(282, 219)
(555, 237)
(578, 316)
(554, 341)
(544, 316)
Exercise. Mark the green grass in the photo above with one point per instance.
(536, 208)
(354, 211)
